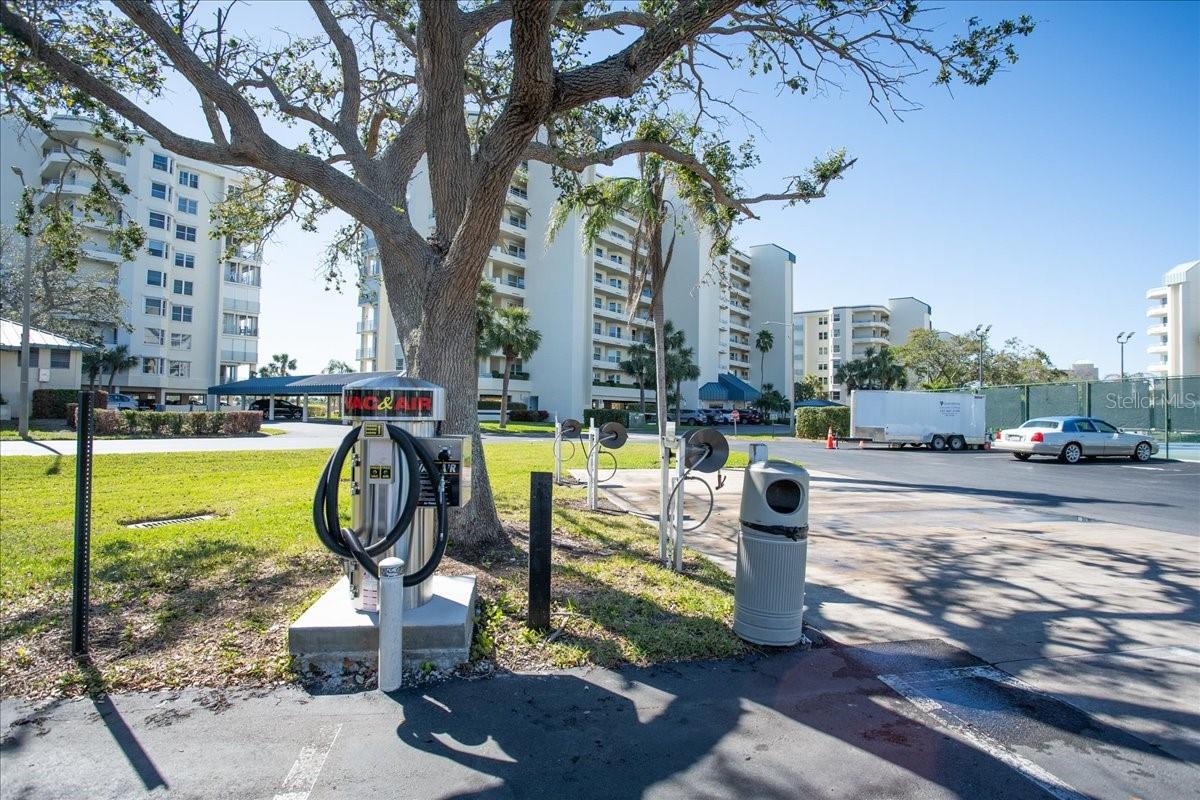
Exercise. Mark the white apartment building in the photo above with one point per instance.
(825, 338)
(1175, 323)
(1084, 371)
(193, 312)
(577, 296)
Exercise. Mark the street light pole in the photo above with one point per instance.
(1122, 339)
(982, 333)
(26, 313)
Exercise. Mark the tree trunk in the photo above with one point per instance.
(508, 362)
(641, 394)
(437, 328)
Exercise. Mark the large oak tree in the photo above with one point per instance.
(385, 85)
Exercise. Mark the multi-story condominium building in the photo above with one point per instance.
(578, 297)
(1084, 371)
(1175, 323)
(191, 308)
(826, 338)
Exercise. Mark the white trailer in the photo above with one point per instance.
(939, 420)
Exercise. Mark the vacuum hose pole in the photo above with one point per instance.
(346, 542)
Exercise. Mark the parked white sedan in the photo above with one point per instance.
(1071, 439)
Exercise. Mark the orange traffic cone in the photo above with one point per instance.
(829, 443)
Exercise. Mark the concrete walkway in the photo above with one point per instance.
(1104, 617)
(297, 436)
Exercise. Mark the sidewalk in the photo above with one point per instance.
(815, 724)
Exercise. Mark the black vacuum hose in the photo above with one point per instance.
(345, 542)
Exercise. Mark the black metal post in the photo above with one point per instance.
(541, 488)
(80, 607)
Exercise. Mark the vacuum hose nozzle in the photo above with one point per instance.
(345, 542)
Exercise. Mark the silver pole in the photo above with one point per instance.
(680, 472)
(391, 624)
(557, 450)
(591, 464)
(26, 314)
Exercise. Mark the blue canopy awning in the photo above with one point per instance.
(293, 384)
(728, 388)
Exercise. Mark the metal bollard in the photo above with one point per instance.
(391, 624)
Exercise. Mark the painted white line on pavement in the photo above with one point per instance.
(304, 773)
(909, 685)
(1154, 469)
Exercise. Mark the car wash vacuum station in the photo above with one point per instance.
(404, 477)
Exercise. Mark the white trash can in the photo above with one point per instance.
(772, 554)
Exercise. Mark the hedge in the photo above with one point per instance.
(814, 423)
(523, 415)
(494, 405)
(52, 403)
(603, 415)
(171, 424)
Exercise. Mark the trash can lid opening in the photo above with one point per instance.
(784, 496)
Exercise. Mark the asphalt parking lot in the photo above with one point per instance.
(1161, 495)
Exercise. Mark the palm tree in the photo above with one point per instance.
(336, 366)
(117, 360)
(283, 364)
(680, 364)
(647, 200)
(93, 365)
(771, 400)
(511, 335)
(875, 370)
(763, 342)
(485, 317)
(640, 365)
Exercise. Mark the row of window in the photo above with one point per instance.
(157, 307)
(156, 277)
(158, 336)
(152, 365)
(59, 359)
(613, 305)
(159, 249)
(162, 162)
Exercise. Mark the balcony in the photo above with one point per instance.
(618, 291)
(869, 338)
(607, 313)
(239, 356)
(608, 338)
(368, 298)
(739, 269)
(868, 322)
(515, 375)
(737, 326)
(514, 256)
(1158, 349)
(1157, 294)
(512, 287)
(518, 196)
(1157, 311)
(101, 254)
(514, 225)
(364, 353)
(738, 290)
(244, 306)
(1160, 367)
(366, 326)
(609, 262)
(1156, 330)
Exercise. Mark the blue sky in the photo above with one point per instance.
(1044, 204)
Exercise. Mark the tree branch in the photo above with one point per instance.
(347, 122)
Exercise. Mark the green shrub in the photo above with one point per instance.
(814, 423)
(130, 424)
(494, 405)
(107, 423)
(51, 403)
(175, 424)
(524, 415)
(603, 415)
(241, 422)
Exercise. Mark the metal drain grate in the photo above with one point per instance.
(158, 523)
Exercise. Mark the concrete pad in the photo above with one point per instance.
(438, 631)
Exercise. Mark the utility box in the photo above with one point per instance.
(772, 554)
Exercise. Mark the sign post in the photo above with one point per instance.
(735, 415)
(80, 590)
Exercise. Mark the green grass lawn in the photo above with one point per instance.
(208, 603)
(53, 430)
(517, 428)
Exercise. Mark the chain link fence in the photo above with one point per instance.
(1166, 408)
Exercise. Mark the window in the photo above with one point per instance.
(837, 348)
(189, 179)
(152, 366)
(159, 161)
(599, 252)
(598, 277)
(614, 306)
(158, 190)
(596, 328)
(596, 353)
(154, 336)
(1104, 427)
(156, 277)
(33, 357)
(822, 365)
(179, 369)
(239, 325)
(181, 341)
(185, 232)
(617, 282)
(1041, 423)
(837, 331)
(186, 260)
(186, 206)
(156, 248)
(156, 306)
(181, 313)
(614, 331)
(822, 320)
(837, 317)
(823, 335)
(158, 220)
(182, 287)
(60, 359)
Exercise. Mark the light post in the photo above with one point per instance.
(982, 332)
(1122, 339)
(26, 312)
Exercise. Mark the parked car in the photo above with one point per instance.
(718, 416)
(122, 402)
(282, 408)
(690, 416)
(751, 416)
(1071, 439)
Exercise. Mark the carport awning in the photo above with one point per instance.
(317, 385)
(728, 388)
